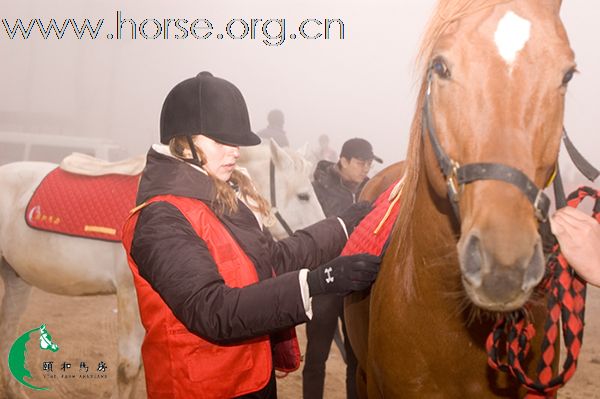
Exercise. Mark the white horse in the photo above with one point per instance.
(289, 179)
(66, 265)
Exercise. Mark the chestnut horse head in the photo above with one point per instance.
(493, 105)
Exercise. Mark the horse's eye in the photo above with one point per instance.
(568, 76)
(440, 68)
(303, 197)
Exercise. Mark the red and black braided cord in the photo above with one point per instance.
(566, 306)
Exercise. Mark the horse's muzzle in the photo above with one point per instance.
(494, 284)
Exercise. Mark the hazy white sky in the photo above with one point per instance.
(360, 86)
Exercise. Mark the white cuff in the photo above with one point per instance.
(343, 227)
(306, 299)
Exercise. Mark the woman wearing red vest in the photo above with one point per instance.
(217, 320)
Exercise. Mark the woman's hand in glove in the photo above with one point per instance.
(344, 274)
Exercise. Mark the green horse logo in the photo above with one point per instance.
(16, 356)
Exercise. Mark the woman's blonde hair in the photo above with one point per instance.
(225, 198)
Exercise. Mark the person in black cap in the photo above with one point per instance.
(337, 186)
(217, 295)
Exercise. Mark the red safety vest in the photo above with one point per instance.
(180, 364)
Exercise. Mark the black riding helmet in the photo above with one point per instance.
(209, 106)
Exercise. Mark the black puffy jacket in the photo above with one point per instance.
(334, 194)
(178, 265)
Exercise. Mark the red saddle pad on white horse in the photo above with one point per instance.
(83, 206)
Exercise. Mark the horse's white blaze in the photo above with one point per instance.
(511, 35)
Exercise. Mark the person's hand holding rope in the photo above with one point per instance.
(579, 237)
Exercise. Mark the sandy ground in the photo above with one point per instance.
(85, 329)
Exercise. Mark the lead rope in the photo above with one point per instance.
(566, 304)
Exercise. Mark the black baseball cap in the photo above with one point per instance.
(359, 148)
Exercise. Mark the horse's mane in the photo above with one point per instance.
(445, 13)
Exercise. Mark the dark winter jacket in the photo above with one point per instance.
(334, 193)
(178, 265)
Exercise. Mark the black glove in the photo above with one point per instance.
(354, 214)
(344, 274)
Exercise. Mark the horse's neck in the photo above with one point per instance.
(432, 220)
(259, 173)
(434, 235)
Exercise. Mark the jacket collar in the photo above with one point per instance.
(328, 174)
(164, 174)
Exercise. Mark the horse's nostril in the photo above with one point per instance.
(535, 269)
(471, 261)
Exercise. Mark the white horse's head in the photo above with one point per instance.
(295, 198)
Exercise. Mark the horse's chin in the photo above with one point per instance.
(481, 300)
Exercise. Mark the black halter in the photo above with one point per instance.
(584, 167)
(457, 175)
(280, 218)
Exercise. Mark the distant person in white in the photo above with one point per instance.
(325, 152)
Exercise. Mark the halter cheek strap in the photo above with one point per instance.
(582, 165)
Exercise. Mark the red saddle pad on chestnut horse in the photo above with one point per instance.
(372, 233)
(83, 206)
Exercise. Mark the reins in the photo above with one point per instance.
(566, 300)
(274, 209)
(566, 305)
(584, 167)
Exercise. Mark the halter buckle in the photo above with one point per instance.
(454, 188)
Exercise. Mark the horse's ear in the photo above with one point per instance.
(303, 151)
(279, 156)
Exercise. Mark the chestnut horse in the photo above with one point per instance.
(489, 113)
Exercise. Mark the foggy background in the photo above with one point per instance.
(359, 86)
